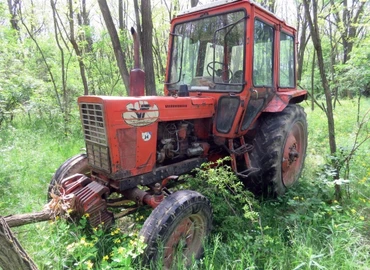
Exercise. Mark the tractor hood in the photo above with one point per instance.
(143, 111)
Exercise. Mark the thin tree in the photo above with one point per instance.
(312, 19)
(65, 56)
(76, 48)
(304, 37)
(123, 30)
(120, 57)
(145, 30)
(84, 22)
(44, 59)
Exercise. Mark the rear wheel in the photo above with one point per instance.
(73, 165)
(279, 150)
(177, 228)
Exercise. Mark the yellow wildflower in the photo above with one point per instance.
(89, 264)
(83, 240)
(362, 218)
(353, 211)
(105, 258)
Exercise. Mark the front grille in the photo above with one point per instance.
(98, 156)
(95, 135)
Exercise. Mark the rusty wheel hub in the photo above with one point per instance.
(292, 155)
(185, 240)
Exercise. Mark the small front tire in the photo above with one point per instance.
(179, 226)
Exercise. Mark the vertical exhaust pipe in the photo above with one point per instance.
(137, 75)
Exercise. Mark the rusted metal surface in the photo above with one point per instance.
(87, 197)
(142, 197)
(293, 155)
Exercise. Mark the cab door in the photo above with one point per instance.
(263, 84)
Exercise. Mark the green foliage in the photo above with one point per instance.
(233, 205)
(104, 76)
(355, 74)
(77, 246)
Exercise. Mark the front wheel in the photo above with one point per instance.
(177, 228)
(73, 165)
(280, 149)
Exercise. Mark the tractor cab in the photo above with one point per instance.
(240, 54)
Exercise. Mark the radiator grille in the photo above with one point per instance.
(95, 135)
(93, 123)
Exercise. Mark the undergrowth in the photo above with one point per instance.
(304, 229)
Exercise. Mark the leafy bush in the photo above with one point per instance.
(233, 205)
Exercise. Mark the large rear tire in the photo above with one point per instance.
(73, 165)
(177, 227)
(279, 150)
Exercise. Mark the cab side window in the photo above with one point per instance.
(263, 48)
(286, 73)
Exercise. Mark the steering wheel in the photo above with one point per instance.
(219, 72)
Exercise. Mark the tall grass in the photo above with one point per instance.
(304, 229)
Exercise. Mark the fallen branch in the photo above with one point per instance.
(23, 219)
(58, 206)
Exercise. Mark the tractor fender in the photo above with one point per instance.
(282, 99)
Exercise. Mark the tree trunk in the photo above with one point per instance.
(313, 81)
(85, 21)
(76, 48)
(13, 7)
(66, 106)
(157, 50)
(121, 61)
(12, 255)
(314, 29)
(312, 22)
(147, 47)
(303, 40)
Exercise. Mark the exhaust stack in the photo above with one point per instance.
(137, 75)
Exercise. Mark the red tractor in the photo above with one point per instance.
(230, 90)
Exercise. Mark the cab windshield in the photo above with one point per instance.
(208, 54)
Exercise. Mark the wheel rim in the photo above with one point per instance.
(185, 241)
(293, 154)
